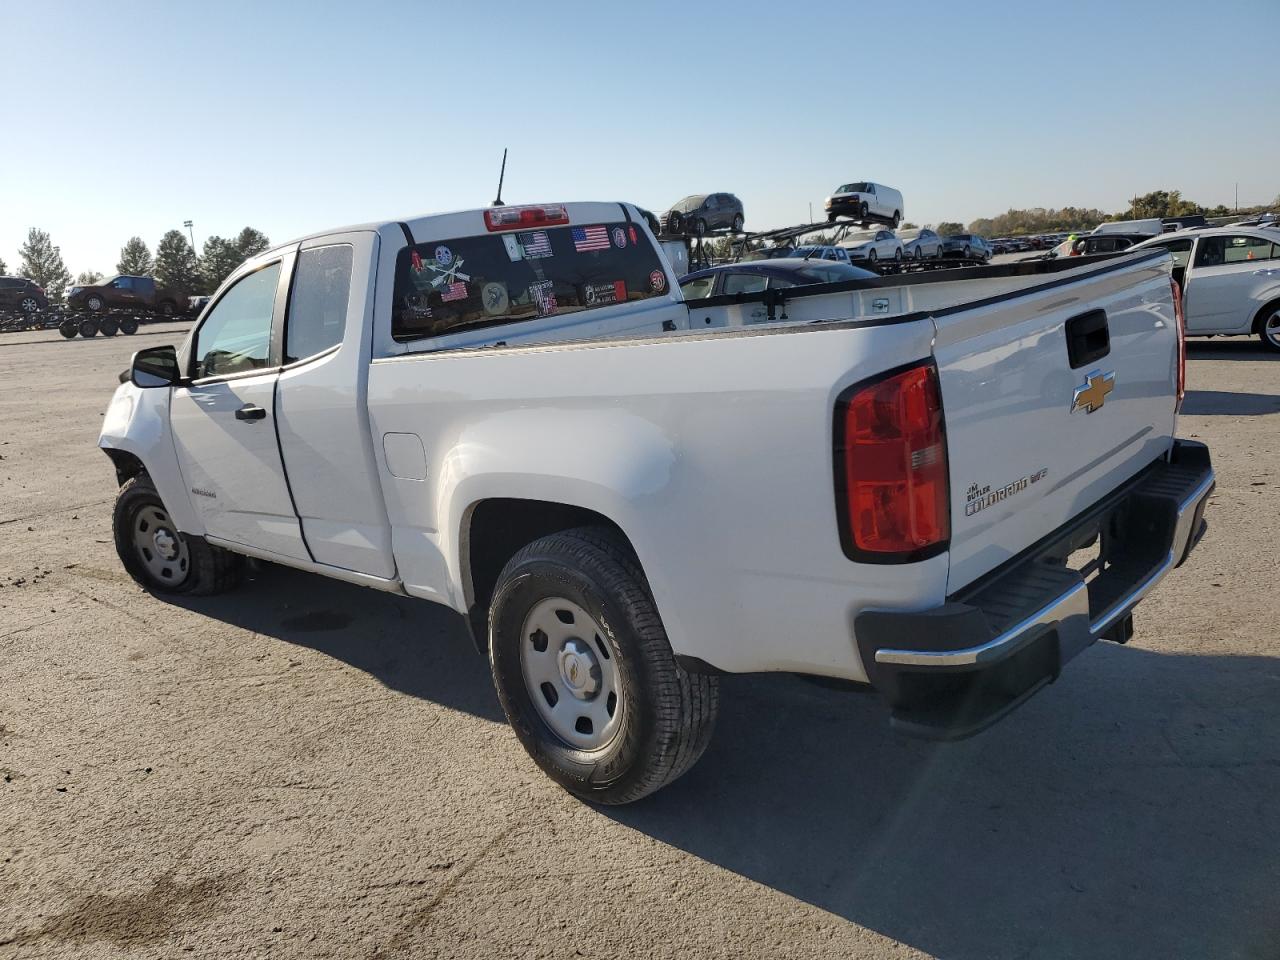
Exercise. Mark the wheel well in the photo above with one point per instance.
(1262, 314)
(127, 465)
(492, 534)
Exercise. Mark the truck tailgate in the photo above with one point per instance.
(1019, 376)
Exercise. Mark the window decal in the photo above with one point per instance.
(586, 239)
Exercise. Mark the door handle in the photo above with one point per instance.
(251, 411)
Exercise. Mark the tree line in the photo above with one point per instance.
(174, 263)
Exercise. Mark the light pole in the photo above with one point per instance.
(187, 224)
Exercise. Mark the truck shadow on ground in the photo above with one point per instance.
(1131, 810)
(1231, 348)
(1225, 403)
(418, 648)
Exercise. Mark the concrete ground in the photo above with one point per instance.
(308, 769)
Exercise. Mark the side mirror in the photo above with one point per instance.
(155, 367)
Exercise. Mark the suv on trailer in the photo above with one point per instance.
(702, 213)
(19, 293)
(137, 293)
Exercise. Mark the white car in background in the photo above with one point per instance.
(873, 245)
(920, 244)
(1230, 280)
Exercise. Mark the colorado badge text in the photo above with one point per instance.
(1092, 394)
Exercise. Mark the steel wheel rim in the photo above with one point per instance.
(159, 546)
(570, 673)
(1271, 329)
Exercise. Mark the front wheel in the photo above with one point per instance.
(700, 227)
(95, 303)
(897, 218)
(737, 223)
(168, 309)
(863, 210)
(29, 305)
(159, 556)
(897, 255)
(585, 673)
(872, 257)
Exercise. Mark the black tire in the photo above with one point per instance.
(668, 714)
(897, 255)
(737, 223)
(88, 328)
(69, 328)
(168, 308)
(831, 218)
(872, 256)
(108, 327)
(897, 218)
(918, 253)
(129, 326)
(1267, 326)
(29, 305)
(94, 303)
(863, 210)
(968, 254)
(209, 569)
(700, 227)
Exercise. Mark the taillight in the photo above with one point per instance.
(1181, 318)
(892, 491)
(522, 218)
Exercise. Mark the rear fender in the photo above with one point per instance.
(137, 423)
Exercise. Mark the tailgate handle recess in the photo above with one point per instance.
(1088, 339)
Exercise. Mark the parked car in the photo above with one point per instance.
(704, 213)
(769, 253)
(1097, 243)
(1230, 280)
(866, 202)
(873, 245)
(921, 244)
(1000, 246)
(822, 252)
(599, 517)
(970, 246)
(138, 293)
(754, 276)
(19, 293)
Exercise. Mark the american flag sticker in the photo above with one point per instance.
(536, 245)
(586, 239)
(454, 291)
(544, 296)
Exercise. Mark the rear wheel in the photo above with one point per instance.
(94, 303)
(160, 557)
(129, 326)
(585, 673)
(168, 308)
(88, 328)
(108, 327)
(29, 304)
(68, 328)
(737, 223)
(968, 253)
(1268, 326)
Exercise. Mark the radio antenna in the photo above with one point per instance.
(502, 173)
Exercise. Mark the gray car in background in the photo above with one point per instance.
(921, 244)
(703, 213)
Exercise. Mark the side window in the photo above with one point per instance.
(699, 288)
(318, 304)
(871, 189)
(1181, 250)
(122, 283)
(744, 283)
(236, 334)
(1215, 251)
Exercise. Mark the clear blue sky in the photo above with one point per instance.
(127, 118)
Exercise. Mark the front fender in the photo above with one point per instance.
(137, 423)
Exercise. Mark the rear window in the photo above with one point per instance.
(447, 286)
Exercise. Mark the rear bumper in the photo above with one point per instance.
(952, 671)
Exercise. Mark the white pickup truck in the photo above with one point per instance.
(1230, 280)
(945, 488)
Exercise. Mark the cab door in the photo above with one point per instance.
(224, 424)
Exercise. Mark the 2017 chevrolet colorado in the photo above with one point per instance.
(944, 486)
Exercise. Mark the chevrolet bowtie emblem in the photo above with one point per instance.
(1092, 394)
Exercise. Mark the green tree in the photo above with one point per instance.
(947, 227)
(42, 262)
(217, 260)
(909, 226)
(3, 267)
(251, 242)
(135, 259)
(89, 277)
(176, 266)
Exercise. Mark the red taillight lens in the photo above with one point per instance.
(522, 218)
(1181, 318)
(891, 468)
